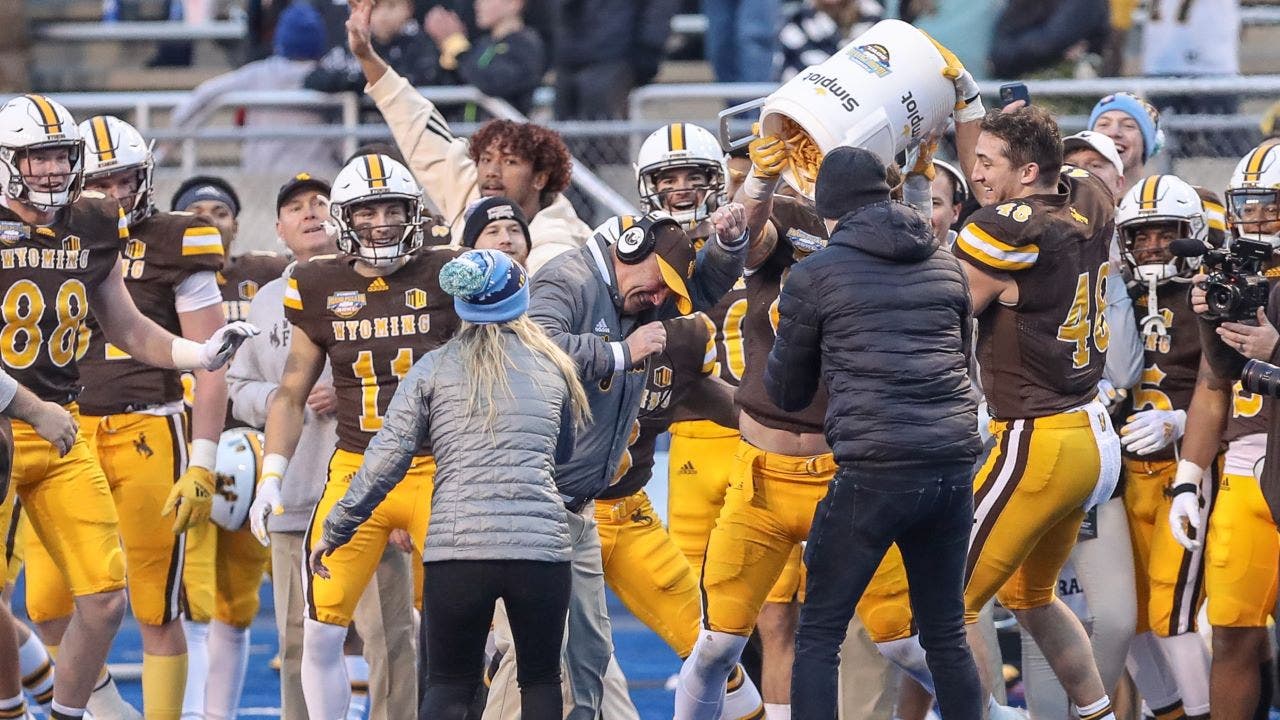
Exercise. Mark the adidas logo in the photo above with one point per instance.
(687, 468)
(378, 285)
(602, 327)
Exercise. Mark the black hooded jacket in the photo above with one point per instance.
(883, 315)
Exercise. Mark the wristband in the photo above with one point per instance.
(204, 453)
(758, 188)
(734, 246)
(972, 111)
(186, 354)
(1183, 489)
(274, 464)
(1188, 474)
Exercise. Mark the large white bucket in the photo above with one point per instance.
(884, 91)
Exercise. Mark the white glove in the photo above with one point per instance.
(1149, 431)
(266, 502)
(1185, 510)
(218, 349)
(1109, 395)
(968, 98)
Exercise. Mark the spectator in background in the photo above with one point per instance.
(1048, 37)
(507, 61)
(397, 38)
(299, 43)
(813, 31)
(741, 38)
(965, 27)
(604, 48)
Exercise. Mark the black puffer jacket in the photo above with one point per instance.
(883, 313)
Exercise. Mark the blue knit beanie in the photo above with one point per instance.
(1143, 113)
(487, 286)
(300, 32)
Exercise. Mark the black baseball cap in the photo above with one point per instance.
(298, 183)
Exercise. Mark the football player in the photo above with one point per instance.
(223, 566)
(681, 171)
(1154, 213)
(1036, 256)
(371, 311)
(73, 249)
(1241, 557)
(133, 416)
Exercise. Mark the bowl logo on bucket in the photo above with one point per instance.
(825, 83)
(873, 58)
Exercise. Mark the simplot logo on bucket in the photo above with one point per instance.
(830, 84)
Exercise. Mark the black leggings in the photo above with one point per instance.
(457, 605)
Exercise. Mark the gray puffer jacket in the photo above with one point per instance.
(495, 495)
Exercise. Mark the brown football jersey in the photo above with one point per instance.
(1215, 215)
(48, 274)
(160, 253)
(1250, 414)
(373, 329)
(1045, 353)
(690, 355)
(241, 277)
(795, 223)
(1171, 354)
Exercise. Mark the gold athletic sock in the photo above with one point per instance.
(164, 681)
(53, 652)
(1171, 712)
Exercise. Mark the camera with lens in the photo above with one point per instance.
(1235, 287)
(1261, 378)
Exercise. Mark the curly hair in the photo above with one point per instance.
(539, 145)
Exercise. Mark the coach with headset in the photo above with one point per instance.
(602, 304)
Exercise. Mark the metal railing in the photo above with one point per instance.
(142, 107)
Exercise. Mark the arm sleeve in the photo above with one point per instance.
(917, 192)
(390, 452)
(248, 386)
(440, 162)
(557, 309)
(1124, 353)
(197, 291)
(715, 272)
(506, 69)
(795, 363)
(8, 389)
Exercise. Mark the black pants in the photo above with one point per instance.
(457, 605)
(928, 513)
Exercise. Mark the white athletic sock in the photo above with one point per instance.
(358, 676)
(908, 654)
(228, 662)
(1151, 673)
(64, 710)
(197, 635)
(106, 700)
(741, 698)
(773, 711)
(1099, 710)
(324, 676)
(36, 668)
(700, 692)
(1188, 659)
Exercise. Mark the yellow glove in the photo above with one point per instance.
(768, 157)
(954, 67)
(924, 160)
(192, 497)
(968, 95)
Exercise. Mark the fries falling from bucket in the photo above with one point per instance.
(802, 153)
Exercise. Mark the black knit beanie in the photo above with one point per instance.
(848, 179)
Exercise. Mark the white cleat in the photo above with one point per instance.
(106, 704)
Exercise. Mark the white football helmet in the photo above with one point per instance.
(1161, 199)
(113, 146)
(236, 473)
(1253, 196)
(373, 178)
(682, 145)
(31, 124)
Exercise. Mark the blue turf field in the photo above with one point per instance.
(645, 659)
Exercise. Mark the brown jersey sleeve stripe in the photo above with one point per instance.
(1004, 481)
(1188, 589)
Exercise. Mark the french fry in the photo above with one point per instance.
(803, 154)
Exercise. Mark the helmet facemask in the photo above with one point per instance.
(383, 237)
(695, 203)
(1254, 213)
(139, 204)
(1157, 264)
(43, 194)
